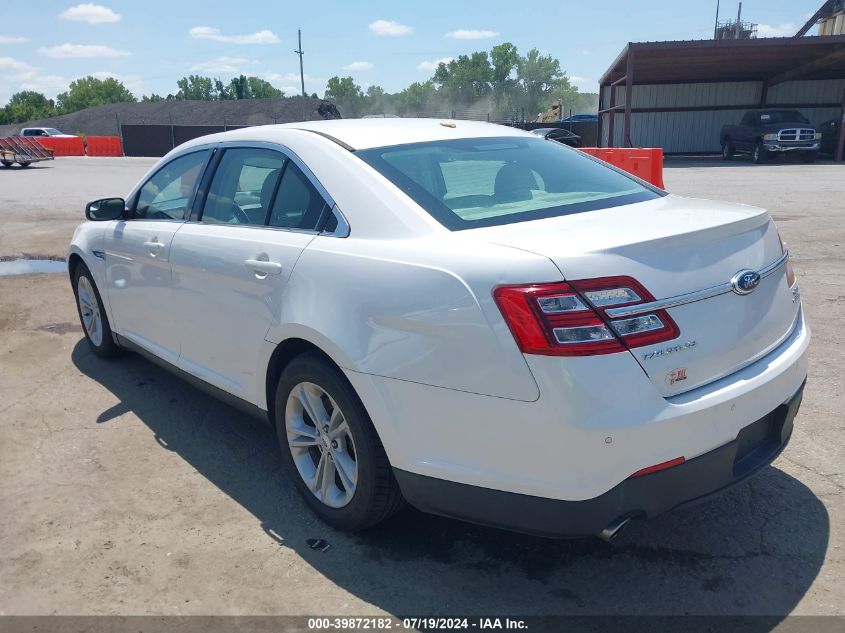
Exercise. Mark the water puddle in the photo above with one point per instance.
(27, 266)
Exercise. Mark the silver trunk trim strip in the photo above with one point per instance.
(691, 297)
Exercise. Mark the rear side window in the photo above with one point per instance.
(469, 183)
(243, 186)
(169, 193)
(298, 204)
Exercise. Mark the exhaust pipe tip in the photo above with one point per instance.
(614, 529)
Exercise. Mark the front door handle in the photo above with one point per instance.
(263, 267)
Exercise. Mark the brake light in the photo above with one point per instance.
(790, 273)
(570, 319)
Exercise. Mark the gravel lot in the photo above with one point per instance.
(125, 491)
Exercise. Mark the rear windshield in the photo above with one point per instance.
(470, 183)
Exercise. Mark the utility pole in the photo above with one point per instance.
(300, 52)
(716, 26)
(738, 20)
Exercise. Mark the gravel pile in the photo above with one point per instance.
(104, 120)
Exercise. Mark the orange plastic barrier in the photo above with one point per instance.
(62, 146)
(104, 146)
(643, 162)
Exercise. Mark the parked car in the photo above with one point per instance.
(560, 135)
(457, 315)
(580, 117)
(830, 136)
(766, 133)
(44, 131)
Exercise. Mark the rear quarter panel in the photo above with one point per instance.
(414, 310)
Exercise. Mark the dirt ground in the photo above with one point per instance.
(126, 491)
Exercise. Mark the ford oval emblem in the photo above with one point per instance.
(745, 281)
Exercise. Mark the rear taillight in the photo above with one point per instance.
(570, 319)
(790, 274)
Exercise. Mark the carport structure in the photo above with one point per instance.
(677, 95)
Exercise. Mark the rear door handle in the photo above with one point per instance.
(263, 267)
(154, 246)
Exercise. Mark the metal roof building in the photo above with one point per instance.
(677, 95)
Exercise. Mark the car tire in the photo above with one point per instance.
(758, 154)
(25, 165)
(92, 314)
(341, 471)
(809, 157)
(728, 150)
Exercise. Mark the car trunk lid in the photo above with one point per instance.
(675, 246)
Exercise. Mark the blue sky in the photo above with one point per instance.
(44, 44)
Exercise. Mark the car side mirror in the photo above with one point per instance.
(105, 209)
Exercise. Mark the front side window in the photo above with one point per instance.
(469, 183)
(243, 186)
(298, 204)
(169, 193)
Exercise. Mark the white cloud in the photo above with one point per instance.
(133, 82)
(10, 63)
(12, 39)
(433, 64)
(90, 13)
(81, 50)
(390, 28)
(585, 52)
(583, 84)
(221, 65)
(49, 85)
(471, 34)
(786, 29)
(358, 66)
(211, 33)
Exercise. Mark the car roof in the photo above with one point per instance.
(358, 134)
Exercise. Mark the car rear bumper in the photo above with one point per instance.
(756, 446)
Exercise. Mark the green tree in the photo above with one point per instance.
(153, 98)
(539, 78)
(27, 106)
(261, 89)
(197, 88)
(346, 95)
(222, 92)
(504, 61)
(377, 101)
(466, 79)
(243, 87)
(417, 98)
(90, 91)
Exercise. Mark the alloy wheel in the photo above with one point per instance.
(321, 444)
(89, 308)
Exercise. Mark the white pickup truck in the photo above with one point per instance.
(43, 131)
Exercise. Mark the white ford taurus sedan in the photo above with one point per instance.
(462, 316)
